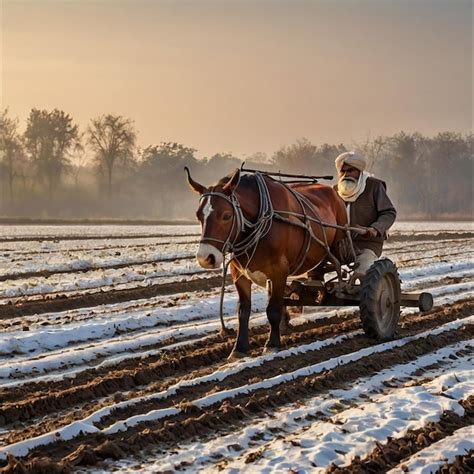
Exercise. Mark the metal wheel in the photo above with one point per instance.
(380, 300)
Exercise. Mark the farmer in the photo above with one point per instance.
(367, 206)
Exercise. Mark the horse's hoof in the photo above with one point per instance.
(236, 355)
(270, 350)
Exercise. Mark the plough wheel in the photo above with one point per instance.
(380, 300)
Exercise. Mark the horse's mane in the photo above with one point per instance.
(245, 179)
(223, 181)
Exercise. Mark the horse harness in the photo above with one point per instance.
(259, 229)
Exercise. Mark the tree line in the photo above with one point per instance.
(54, 169)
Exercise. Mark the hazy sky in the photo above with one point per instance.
(243, 76)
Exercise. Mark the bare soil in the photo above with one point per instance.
(23, 407)
(34, 408)
(63, 302)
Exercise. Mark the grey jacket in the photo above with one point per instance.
(372, 208)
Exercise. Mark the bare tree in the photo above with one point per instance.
(113, 138)
(257, 157)
(12, 156)
(78, 160)
(373, 150)
(296, 157)
(49, 139)
(305, 157)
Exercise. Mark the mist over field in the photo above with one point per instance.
(49, 175)
(98, 121)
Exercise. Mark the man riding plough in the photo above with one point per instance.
(367, 206)
(272, 229)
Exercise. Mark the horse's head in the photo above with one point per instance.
(217, 215)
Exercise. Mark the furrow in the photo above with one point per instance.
(231, 407)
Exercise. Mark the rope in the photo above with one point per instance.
(225, 267)
(257, 230)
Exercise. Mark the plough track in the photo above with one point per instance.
(199, 358)
(102, 339)
(45, 273)
(461, 465)
(137, 261)
(396, 450)
(397, 251)
(24, 313)
(116, 266)
(48, 312)
(48, 238)
(203, 355)
(104, 248)
(65, 302)
(193, 409)
(231, 413)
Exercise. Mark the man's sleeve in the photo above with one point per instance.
(386, 212)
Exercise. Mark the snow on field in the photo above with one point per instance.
(14, 264)
(218, 397)
(82, 287)
(58, 283)
(424, 275)
(418, 255)
(355, 431)
(141, 331)
(91, 260)
(120, 330)
(430, 459)
(421, 406)
(261, 436)
(59, 361)
(39, 231)
(431, 227)
(308, 436)
(25, 249)
(92, 272)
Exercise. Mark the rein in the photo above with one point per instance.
(240, 224)
(261, 227)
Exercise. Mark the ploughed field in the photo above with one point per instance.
(111, 360)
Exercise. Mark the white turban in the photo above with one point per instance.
(352, 159)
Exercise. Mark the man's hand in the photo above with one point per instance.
(370, 234)
(366, 232)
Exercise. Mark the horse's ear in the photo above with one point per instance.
(194, 185)
(233, 182)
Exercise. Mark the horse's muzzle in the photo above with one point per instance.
(209, 257)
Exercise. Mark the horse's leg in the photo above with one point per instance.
(243, 286)
(285, 326)
(276, 292)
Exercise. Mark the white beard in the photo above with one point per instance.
(347, 186)
(349, 189)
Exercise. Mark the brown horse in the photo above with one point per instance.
(261, 223)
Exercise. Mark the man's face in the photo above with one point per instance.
(348, 179)
(350, 172)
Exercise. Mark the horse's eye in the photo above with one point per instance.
(227, 217)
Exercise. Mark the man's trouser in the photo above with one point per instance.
(364, 259)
